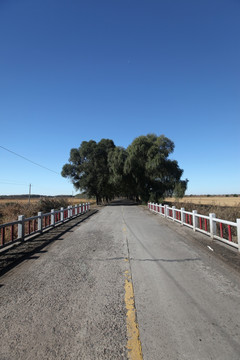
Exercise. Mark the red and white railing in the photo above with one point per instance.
(23, 228)
(223, 230)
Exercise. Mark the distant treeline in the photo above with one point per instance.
(33, 196)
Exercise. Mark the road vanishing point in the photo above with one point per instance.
(123, 284)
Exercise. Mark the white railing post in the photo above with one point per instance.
(21, 230)
(238, 233)
(160, 209)
(182, 216)
(173, 213)
(165, 211)
(195, 220)
(52, 217)
(62, 214)
(69, 211)
(40, 221)
(212, 225)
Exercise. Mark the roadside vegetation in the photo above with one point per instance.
(11, 208)
(230, 213)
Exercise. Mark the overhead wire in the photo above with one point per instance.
(33, 162)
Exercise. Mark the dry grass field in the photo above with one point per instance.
(70, 200)
(210, 200)
(10, 208)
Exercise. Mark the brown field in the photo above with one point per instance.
(210, 200)
(10, 208)
(70, 200)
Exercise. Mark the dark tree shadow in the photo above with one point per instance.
(33, 248)
(121, 202)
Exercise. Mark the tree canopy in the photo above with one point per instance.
(143, 171)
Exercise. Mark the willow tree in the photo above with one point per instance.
(143, 171)
(148, 163)
(88, 169)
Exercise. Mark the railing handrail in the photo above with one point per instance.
(194, 221)
(49, 221)
(9, 224)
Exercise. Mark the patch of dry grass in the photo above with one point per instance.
(11, 208)
(210, 200)
(230, 213)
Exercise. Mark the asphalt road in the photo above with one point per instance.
(86, 295)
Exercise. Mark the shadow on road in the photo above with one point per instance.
(121, 202)
(33, 248)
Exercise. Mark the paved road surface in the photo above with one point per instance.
(73, 299)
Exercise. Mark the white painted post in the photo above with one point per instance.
(40, 221)
(21, 230)
(76, 208)
(53, 217)
(238, 233)
(161, 209)
(182, 216)
(195, 220)
(69, 211)
(174, 213)
(212, 225)
(62, 214)
(165, 210)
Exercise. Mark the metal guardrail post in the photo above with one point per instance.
(174, 213)
(195, 220)
(182, 216)
(69, 211)
(165, 211)
(212, 225)
(238, 233)
(21, 228)
(62, 214)
(40, 222)
(53, 217)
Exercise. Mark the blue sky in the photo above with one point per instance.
(78, 70)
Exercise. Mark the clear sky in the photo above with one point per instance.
(73, 70)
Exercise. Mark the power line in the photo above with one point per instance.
(33, 162)
(12, 183)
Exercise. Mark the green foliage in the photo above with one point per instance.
(89, 170)
(154, 174)
(179, 189)
(143, 171)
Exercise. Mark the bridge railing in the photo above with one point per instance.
(222, 230)
(23, 228)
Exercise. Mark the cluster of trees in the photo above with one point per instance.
(142, 172)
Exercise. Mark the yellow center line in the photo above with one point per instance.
(133, 344)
